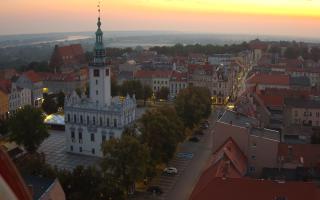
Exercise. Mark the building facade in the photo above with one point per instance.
(19, 97)
(178, 82)
(91, 121)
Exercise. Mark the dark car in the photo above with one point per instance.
(155, 190)
(194, 139)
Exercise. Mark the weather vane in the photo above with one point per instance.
(99, 7)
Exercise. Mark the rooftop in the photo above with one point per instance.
(269, 79)
(251, 189)
(302, 81)
(237, 119)
(302, 103)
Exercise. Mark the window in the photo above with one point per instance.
(80, 149)
(252, 169)
(96, 73)
(254, 145)
(68, 118)
(81, 119)
(93, 120)
(71, 148)
(108, 123)
(310, 114)
(80, 137)
(92, 137)
(295, 113)
(100, 121)
(107, 72)
(104, 138)
(75, 118)
(115, 123)
(93, 151)
(88, 120)
(253, 157)
(97, 92)
(317, 114)
(96, 82)
(72, 135)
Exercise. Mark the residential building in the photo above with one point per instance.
(178, 82)
(65, 82)
(156, 79)
(31, 80)
(18, 97)
(91, 121)
(259, 144)
(7, 74)
(303, 112)
(292, 156)
(263, 81)
(220, 59)
(4, 98)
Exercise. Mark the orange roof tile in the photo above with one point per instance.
(5, 86)
(252, 189)
(269, 79)
(33, 76)
(272, 100)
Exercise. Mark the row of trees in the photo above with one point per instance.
(185, 50)
(142, 92)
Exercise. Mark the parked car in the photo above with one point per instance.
(170, 171)
(155, 190)
(194, 139)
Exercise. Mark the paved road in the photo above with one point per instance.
(189, 177)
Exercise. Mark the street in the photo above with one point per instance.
(190, 161)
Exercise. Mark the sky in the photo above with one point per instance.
(256, 17)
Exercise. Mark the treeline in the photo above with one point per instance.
(184, 50)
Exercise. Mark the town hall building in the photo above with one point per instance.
(89, 121)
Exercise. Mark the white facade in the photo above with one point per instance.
(18, 98)
(91, 121)
(35, 87)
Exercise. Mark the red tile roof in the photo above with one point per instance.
(33, 76)
(153, 74)
(227, 161)
(269, 79)
(178, 76)
(252, 189)
(5, 86)
(274, 101)
(306, 154)
(207, 67)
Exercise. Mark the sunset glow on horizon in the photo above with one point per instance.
(275, 17)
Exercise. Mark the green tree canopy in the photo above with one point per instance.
(162, 130)
(125, 158)
(49, 105)
(60, 99)
(163, 93)
(193, 104)
(132, 87)
(27, 128)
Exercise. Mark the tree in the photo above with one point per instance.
(4, 126)
(60, 99)
(88, 183)
(125, 158)
(147, 93)
(193, 104)
(162, 130)
(114, 87)
(132, 87)
(49, 105)
(163, 93)
(27, 128)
